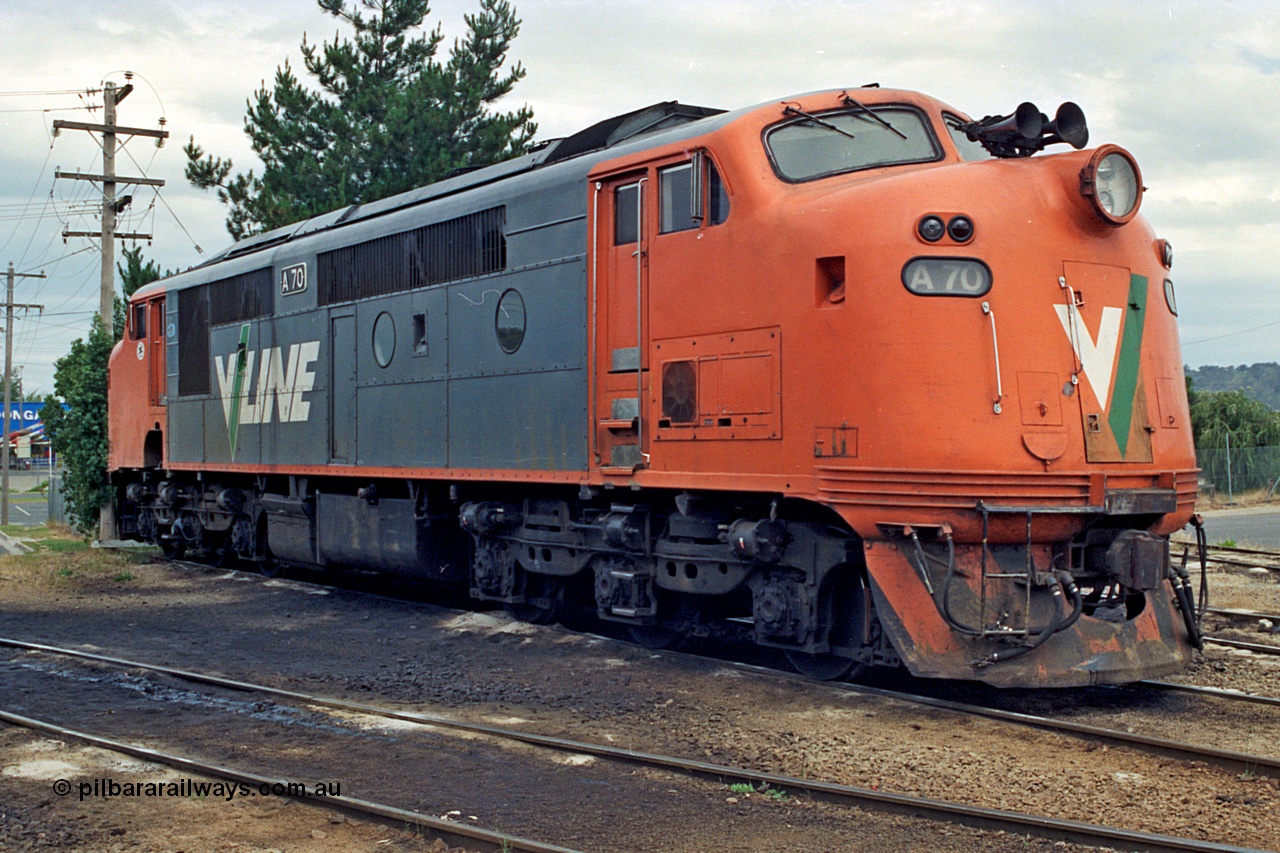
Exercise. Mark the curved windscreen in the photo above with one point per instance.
(815, 146)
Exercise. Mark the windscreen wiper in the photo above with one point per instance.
(851, 102)
(819, 122)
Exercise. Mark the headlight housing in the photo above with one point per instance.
(1113, 184)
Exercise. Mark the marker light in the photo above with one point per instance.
(931, 229)
(960, 228)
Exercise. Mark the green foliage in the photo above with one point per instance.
(1249, 422)
(1252, 430)
(1260, 381)
(79, 435)
(387, 117)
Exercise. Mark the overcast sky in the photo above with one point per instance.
(1191, 88)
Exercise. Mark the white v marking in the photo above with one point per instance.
(1097, 357)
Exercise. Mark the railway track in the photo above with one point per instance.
(1244, 616)
(1229, 555)
(933, 809)
(457, 833)
(1163, 746)
(1257, 648)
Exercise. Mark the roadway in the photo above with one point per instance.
(1256, 526)
(26, 508)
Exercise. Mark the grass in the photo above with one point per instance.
(746, 789)
(1221, 500)
(44, 538)
(62, 560)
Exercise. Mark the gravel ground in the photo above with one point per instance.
(484, 667)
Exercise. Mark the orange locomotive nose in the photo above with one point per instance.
(1022, 434)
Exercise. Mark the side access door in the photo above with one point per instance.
(619, 299)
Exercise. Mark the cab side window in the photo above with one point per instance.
(626, 214)
(684, 204)
(675, 188)
(138, 328)
(718, 196)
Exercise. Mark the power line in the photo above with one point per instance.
(50, 92)
(1232, 334)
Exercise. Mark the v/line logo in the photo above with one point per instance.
(1112, 361)
(282, 378)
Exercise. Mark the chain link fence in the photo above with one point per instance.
(1240, 469)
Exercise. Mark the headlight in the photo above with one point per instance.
(1113, 184)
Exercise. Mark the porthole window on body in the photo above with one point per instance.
(510, 321)
(384, 339)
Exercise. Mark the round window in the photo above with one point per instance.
(509, 322)
(384, 339)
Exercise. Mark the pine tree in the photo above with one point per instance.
(388, 116)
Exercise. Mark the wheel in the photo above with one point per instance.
(223, 556)
(268, 566)
(844, 598)
(822, 667)
(172, 550)
(543, 604)
(523, 611)
(655, 636)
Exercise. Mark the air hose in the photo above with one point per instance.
(1064, 583)
(1180, 580)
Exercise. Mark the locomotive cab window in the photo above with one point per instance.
(626, 214)
(811, 147)
(675, 194)
(138, 328)
(684, 204)
(968, 149)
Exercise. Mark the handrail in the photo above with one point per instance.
(995, 343)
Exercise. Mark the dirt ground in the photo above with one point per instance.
(34, 817)
(484, 667)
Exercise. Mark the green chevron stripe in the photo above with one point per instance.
(1129, 371)
(237, 385)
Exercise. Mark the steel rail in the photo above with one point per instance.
(1242, 614)
(1241, 762)
(1235, 761)
(455, 831)
(1230, 549)
(1240, 564)
(1057, 828)
(1216, 692)
(1259, 648)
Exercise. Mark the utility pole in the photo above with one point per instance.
(8, 382)
(111, 98)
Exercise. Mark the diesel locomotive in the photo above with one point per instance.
(849, 374)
